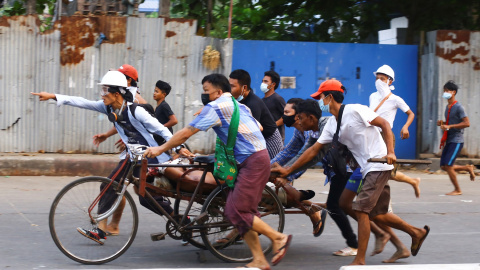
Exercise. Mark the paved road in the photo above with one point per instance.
(454, 221)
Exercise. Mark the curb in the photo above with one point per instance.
(36, 164)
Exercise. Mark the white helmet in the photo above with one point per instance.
(114, 78)
(387, 70)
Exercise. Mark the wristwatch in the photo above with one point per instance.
(179, 147)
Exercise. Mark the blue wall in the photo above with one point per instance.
(352, 64)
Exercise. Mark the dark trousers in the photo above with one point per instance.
(337, 185)
(107, 200)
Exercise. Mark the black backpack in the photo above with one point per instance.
(149, 108)
(338, 156)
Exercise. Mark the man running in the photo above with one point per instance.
(452, 140)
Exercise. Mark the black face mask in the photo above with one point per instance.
(288, 120)
(205, 98)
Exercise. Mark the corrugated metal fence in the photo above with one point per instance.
(70, 60)
(450, 55)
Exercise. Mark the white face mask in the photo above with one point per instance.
(240, 98)
(264, 87)
(382, 88)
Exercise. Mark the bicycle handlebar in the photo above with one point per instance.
(137, 149)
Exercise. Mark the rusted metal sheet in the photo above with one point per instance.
(450, 55)
(70, 60)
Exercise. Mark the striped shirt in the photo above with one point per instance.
(218, 114)
(291, 150)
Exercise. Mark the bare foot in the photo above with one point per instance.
(112, 230)
(262, 266)
(399, 254)
(316, 218)
(357, 262)
(454, 193)
(380, 243)
(471, 172)
(416, 187)
(277, 245)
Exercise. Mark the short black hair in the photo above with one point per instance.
(309, 107)
(219, 81)
(451, 85)
(274, 76)
(132, 82)
(294, 102)
(164, 87)
(127, 95)
(242, 77)
(337, 95)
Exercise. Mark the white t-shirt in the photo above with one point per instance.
(361, 138)
(133, 90)
(388, 110)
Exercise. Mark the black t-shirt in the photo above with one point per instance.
(260, 113)
(275, 104)
(163, 112)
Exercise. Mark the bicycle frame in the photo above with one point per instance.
(141, 184)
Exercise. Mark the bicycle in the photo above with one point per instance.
(76, 205)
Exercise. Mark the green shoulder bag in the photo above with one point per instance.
(225, 162)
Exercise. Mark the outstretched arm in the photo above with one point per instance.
(404, 134)
(44, 96)
(180, 137)
(308, 155)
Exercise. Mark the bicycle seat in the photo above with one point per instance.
(205, 159)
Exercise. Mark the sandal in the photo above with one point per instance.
(322, 220)
(348, 251)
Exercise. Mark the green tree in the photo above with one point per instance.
(326, 20)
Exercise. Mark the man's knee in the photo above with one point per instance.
(447, 168)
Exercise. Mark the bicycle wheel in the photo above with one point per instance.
(179, 209)
(69, 210)
(223, 240)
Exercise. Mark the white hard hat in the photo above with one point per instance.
(114, 78)
(387, 70)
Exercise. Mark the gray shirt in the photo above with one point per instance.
(457, 113)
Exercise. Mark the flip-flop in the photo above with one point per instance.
(324, 217)
(110, 234)
(266, 268)
(285, 248)
(415, 250)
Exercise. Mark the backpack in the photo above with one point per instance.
(149, 108)
(338, 156)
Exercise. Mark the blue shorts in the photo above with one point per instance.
(450, 153)
(355, 182)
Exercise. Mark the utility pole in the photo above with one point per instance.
(164, 8)
(31, 7)
(209, 17)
